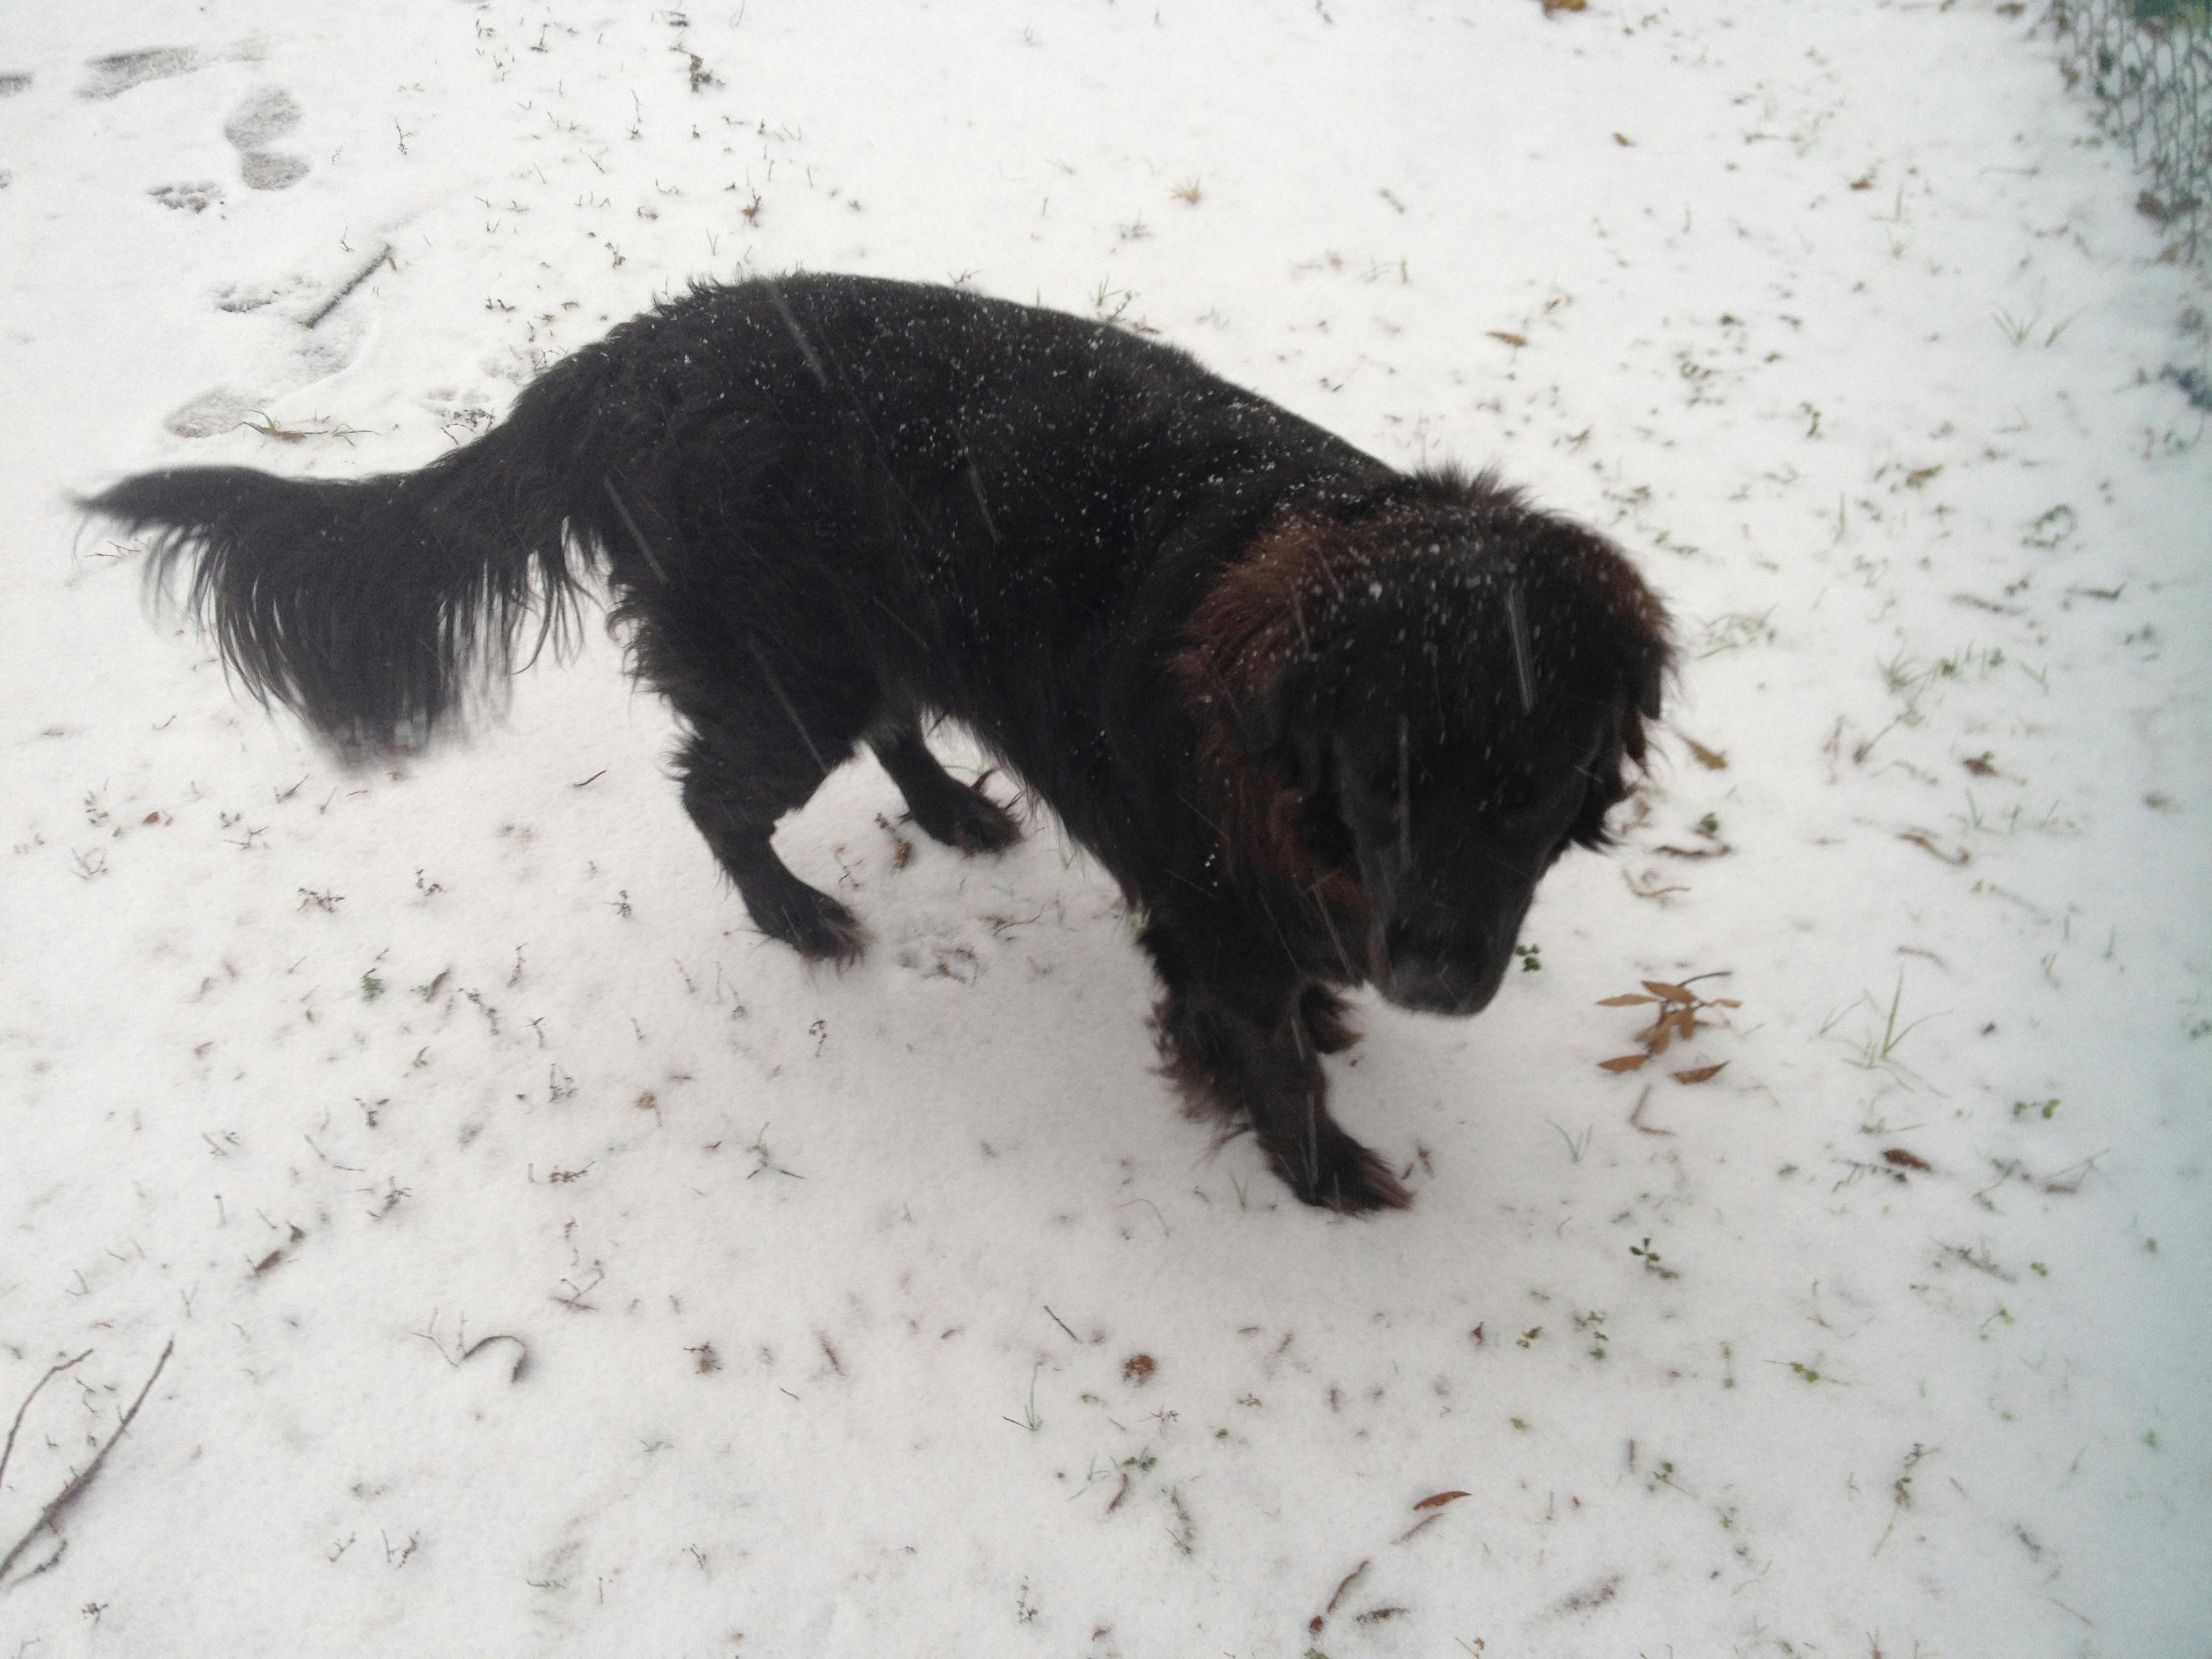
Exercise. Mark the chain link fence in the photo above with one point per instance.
(2149, 64)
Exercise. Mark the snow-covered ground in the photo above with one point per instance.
(551, 1268)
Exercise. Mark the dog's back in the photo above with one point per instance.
(1001, 480)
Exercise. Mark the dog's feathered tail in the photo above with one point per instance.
(372, 607)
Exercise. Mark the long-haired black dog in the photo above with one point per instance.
(1325, 722)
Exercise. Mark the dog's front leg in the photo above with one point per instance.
(1239, 1045)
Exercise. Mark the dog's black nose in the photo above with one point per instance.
(1438, 983)
(1439, 971)
(1437, 988)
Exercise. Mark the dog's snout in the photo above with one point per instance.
(1421, 936)
(1436, 937)
(1435, 968)
(1431, 988)
(1447, 956)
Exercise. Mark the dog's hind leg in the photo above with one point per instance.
(735, 799)
(765, 730)
(958, 814)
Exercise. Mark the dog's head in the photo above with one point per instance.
(1457, 694)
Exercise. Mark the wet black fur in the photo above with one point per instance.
(832, 509)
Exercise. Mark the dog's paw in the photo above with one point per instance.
(815, 925)
(1339, 1174)
(969, 819)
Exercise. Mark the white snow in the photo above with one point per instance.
(1836, 314)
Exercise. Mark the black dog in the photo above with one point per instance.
(1324, 722)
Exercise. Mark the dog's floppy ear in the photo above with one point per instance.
(1271, 721)
(1651, 677)
(1638, 638)
(1247, 654)
(1643, 650)
(1647, 659)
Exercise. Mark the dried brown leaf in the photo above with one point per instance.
(1712, 759)
(1700, 1073)
(1904, 1159)
(1437, 1500)
(1509, 339)
(1667, 993)
(1630, 1000)
(1625, 1063)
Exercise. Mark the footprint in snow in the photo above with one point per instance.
(213, 413)
(269, 112)
(194, 197)
(10, 84)
(314, 341)
(263, 117)
(113, 75)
